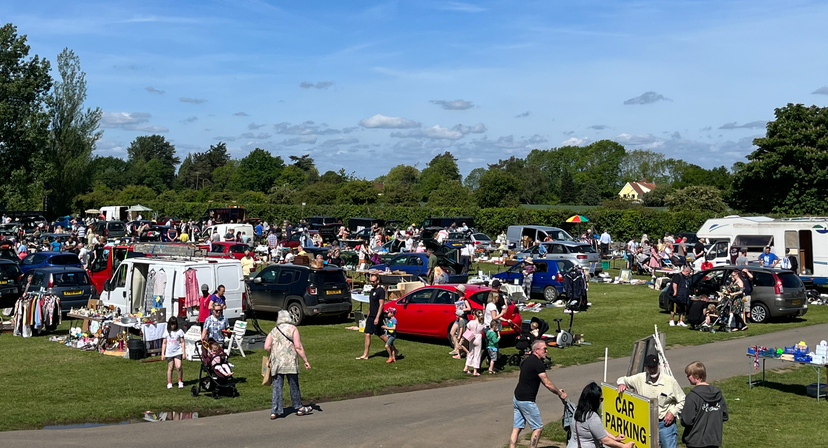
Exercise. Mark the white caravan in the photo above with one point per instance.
(807, 238)
(222, 230)
(127, 287)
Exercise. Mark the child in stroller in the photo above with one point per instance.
(219, 361)
(529, 333)
(215, 375)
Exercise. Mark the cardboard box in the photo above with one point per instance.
(407, 287)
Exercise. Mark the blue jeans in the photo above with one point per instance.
(526, 411)
(295, 394)
(667, 435)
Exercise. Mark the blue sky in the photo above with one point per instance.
(369, 85)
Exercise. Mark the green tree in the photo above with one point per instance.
(152, 147)
(590, 194)
(224, 176)
(100, 196)
(472, 181)
(72, 135)
(450, 193)
(320, 193)
(24, 122)
(198, 167)
(134, 194)
(570, 190)
(157, 175)
(400, 194)
(293, 177)
(281, 194)
(441, 168)
(110, 171)
(306, 164)
(497, 189)
(402, 174)
(358, 192)
(697, 198)
(658, 196)
(258, 171)
(332, 177)
(788, 172)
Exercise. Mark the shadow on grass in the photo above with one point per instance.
(796, 389)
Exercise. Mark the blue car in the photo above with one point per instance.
(416, 264)
(49, 259)
(547, 279)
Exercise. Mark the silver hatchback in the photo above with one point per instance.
(578, 253)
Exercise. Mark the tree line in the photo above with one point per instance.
(47, 140)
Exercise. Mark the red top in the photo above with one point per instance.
(203, 312)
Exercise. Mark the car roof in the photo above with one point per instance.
(6, 261)
(567, 243)
(59, 269)
(50, 253)
(750, 268)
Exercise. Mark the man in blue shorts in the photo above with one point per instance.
(532, 374)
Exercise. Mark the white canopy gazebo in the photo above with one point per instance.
(135, 210)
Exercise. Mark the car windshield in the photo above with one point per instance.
(217, 249)
(62, 260)
(8, 271)
(582, 249)
(330, 277)
(559, 235)
(71, 279)
(116, 226)
(481, 237)
(790, 280)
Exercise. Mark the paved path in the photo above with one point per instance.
(475, 414)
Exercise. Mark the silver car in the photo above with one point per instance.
(578, 253)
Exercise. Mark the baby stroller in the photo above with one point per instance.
(723, 311)
(209, 379)
(523, 343)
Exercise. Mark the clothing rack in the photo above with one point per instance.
(36, 311)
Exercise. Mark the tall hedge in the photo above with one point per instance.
(622, 224)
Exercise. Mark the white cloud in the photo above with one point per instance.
(575, 141)
(647, 98)
(301, 140)
(318, 85)
(820, 91)
(113, 120)
(386, 122)
(109, 146)
(225, 139)
(752, 125)
(479, 128)
(332, 143)
(453, 105)
(306, 128)
(254, 126)
(259, 136)
(523, 115)
(240, 114)
(152, 89)
(599, 127)
(190, 119)
(645, 141)
(408, 145)
(434, 132)
(463, 7)
(185, 99)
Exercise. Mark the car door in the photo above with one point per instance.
(412, 312)
(541, 277)
(513, 273)
(262, 291)
(556, 251)
(708, 282)
(441, 313)
(237, 251)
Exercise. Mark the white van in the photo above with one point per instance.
(515, 234)
(222, 230)
(126, 289)
(806, 237)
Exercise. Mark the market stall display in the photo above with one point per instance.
(36, 312)
(797, 354)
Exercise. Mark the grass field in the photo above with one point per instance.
(48, 383)
(777, 414)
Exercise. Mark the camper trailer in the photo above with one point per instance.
(807, 238)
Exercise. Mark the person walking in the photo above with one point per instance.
(587, 431)
(474, 334)
(172, 351)
(705, 410)
(532, 375)
(605, 242)
(432, 263)
(372, 322)
(655, 385)
(284, 344)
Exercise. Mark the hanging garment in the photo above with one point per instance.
(160, 282)
(149, 292)
(191, 288)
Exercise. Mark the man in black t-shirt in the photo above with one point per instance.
(532, 375)
(373, 326)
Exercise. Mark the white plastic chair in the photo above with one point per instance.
(239, 330)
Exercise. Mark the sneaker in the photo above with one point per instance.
(672, 323)
(453, 352)
(681, 324)
(169, 385)
(181, 385)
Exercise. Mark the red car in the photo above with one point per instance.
(429, 311)
(227, 250)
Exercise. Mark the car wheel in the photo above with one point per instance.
(759, 313)
(550, 293)
(296, 312)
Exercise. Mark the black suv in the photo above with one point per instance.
(302, 291)
(10, 290)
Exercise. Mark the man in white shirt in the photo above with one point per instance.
(605, 241)
(409, 243)
(83, 254)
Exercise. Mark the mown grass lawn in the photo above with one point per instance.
(780, 413)
(47, 383)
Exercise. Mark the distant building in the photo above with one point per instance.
(633, 191)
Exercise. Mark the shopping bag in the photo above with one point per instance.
(267, 377)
